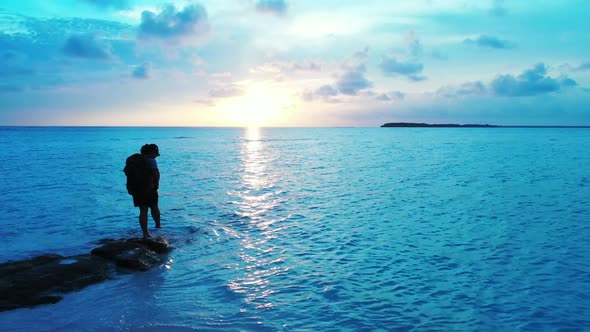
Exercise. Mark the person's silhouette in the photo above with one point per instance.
(148, 198)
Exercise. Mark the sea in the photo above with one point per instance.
(312, 229)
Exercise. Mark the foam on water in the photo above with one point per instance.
(313, 229)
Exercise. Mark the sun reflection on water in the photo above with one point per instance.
(256, 196)
(254, 162)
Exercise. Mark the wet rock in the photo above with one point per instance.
(157, 244)
(44, 279)
(135, 254)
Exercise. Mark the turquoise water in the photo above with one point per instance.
(327, 229)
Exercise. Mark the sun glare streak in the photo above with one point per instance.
(254, 165)
(255, 197)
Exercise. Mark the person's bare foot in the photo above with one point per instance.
(147, 236)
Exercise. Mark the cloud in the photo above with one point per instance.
(488, 41)
(204, 101)
(6, 71)
(325, 92)
(142, 71)
(353, 79)
(411, 68)
(568, 82)
(583, 66)
(352, 82)
(357, 61)
(308, 65)
(103, 4)
(471, 88)
(171, 24)
(391, 66)
(40, 56)
(413, 43)
(390, 96)
(439, 56)
(465, 89)
(224, 74)
(531, 82)
(226, 92)
(272, 7)
(86, 46)
(10, 89)
(498, 8)
(13, 64)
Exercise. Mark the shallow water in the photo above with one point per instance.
(327, 229)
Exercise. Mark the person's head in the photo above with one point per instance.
(150, 150)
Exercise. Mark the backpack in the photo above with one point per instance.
(139, 176)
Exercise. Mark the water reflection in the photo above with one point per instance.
(255, 194)
(254, 172)
(256, 197)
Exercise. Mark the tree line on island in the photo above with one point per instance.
(453, 125)
(426, 125)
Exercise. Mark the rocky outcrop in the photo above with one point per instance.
(135, 254)
(44, 279)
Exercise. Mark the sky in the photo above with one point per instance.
(294, 62)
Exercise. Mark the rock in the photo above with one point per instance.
(157, 244)
(44, 279)
(135, 254)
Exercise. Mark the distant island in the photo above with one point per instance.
(426, 125)
(453, 125)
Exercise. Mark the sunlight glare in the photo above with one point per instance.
(261, 105)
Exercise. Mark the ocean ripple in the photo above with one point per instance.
(358, 229)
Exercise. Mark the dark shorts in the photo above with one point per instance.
(147, 199)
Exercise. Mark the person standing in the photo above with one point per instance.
(143, 181)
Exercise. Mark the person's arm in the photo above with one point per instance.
(156, 175)
(153, 165)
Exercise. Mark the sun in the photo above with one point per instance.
(260, 105)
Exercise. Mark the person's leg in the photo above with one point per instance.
(143, 221)
(155, 210)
